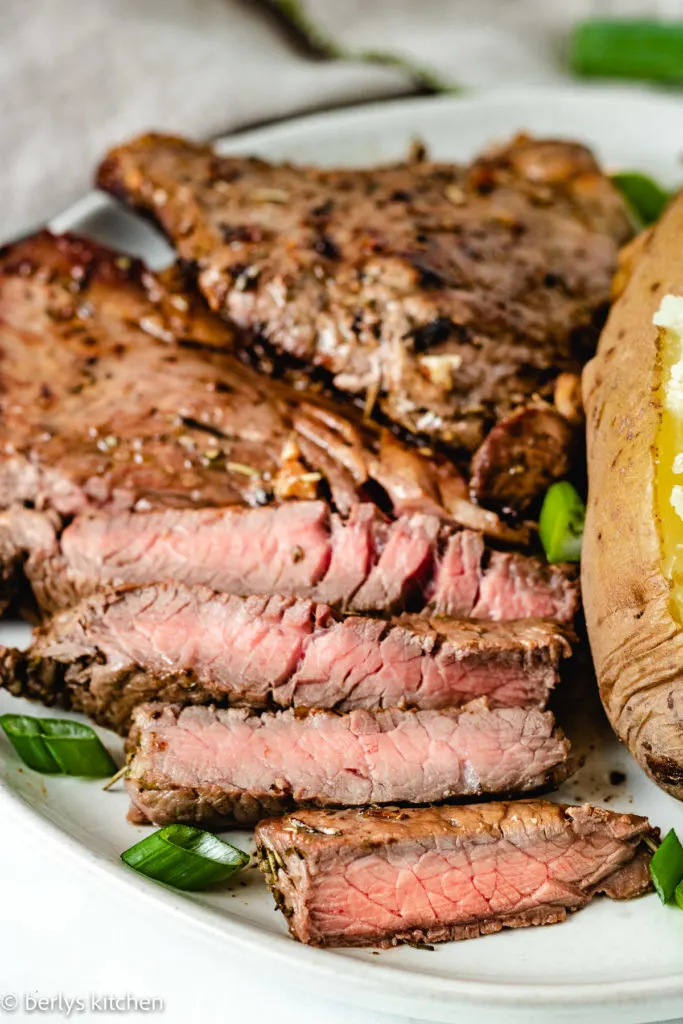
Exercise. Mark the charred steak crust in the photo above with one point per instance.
(449, 294)
(382, 876)
(118, 649)
(221, 768)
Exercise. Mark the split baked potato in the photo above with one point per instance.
(632, 558)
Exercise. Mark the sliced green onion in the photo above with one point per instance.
(76, 748)
(185, 857)
(561, 523)
(645, 197)
(57, 746)
(642, 49)
(25, 735)
(666, 867)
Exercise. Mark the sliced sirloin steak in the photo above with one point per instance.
(379, 877)
(299, 549)
(450, 295)
(120, 396)
(221, 768)
(118, 649)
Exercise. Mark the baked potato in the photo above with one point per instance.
(632, 557)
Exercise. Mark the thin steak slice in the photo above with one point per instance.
(223, 768)
(379, 877)
(448, 294)
(117, 649)
(364, 563)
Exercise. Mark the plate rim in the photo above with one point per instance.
(318, 961)
(370, 979)
(497, 94)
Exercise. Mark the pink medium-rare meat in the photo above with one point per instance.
(405, 563)
(222, 768)
(120, 394)
(115, 650)
(253, 551)
(300, 549)
(379, 877)
(472, 581)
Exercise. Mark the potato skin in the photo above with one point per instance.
(637, 645)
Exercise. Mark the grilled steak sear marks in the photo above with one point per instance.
(380, 877)
(223, 768)
(447, 294)
(116, 650)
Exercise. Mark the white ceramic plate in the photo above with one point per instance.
(610, 962)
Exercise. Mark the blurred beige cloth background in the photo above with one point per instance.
(79, 75)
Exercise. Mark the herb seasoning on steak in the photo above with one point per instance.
(379, 877)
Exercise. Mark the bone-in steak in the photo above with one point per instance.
(449, 295)
(118, 649)
(379, 877)
(221, 768)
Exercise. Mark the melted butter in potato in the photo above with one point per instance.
(669, 446)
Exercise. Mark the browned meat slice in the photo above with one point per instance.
(447, 294)
(223, 768)
(521, 457)
(379, 877)
(83, 329)
(118, 394)
(118, 649)
(299, 549)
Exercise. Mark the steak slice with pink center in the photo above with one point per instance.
(117, 649)
(379, 877)
(221, 768)
(301, 549)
